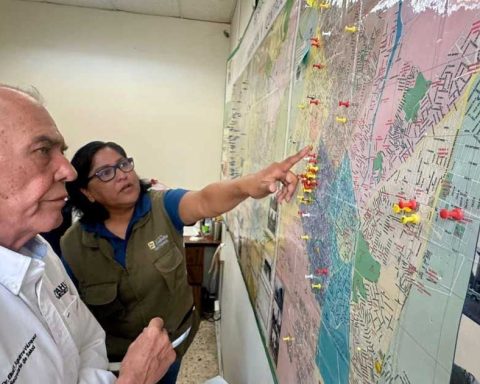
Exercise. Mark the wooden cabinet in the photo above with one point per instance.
(195, 257)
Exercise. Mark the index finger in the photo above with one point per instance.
(290, 161)
(156, 322)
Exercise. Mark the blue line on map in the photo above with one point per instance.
(398, 35)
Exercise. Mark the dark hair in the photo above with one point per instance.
(82, 162)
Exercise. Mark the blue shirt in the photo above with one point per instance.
(171, 202)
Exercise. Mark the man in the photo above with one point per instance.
(47, 335)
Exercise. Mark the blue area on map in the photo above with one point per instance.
(334, 216)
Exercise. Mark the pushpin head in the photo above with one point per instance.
(322, 271)
(342, 120)
(318, 286)
(412, 204)
(351, 29)
(413, 219)
(454, 214)
(378, 367)
(324, 5)
(305, 237)
(396, 209)
(288, 338)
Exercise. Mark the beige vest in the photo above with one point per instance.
(154, 282)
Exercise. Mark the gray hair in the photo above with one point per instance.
(29, 91)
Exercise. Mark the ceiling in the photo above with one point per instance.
(220, 11)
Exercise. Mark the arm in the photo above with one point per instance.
(222, 196)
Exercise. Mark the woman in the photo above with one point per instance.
(126, 251)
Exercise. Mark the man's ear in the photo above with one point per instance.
(88, 195)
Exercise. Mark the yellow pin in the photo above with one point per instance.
(396, 209)
(413, 219)
(318, 286)
(351, 29)
(342, 120)
(324, 5)
(378, 367)
(307, 190)
(288, 338)
(305, 237)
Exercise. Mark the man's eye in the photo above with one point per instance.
(44, 150)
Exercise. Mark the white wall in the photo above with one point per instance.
(153, 84)
(244, 359)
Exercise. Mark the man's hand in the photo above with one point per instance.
(265, 181)
(148, 357)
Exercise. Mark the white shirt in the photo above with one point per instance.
(47, 334)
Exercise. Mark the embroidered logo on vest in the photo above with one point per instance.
(158, 243)
(61, 290)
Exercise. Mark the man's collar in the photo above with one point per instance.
(14, 266)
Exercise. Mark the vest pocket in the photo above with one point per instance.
(102, 300)
(171, 267)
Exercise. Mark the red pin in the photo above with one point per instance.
(344, 103)
(314, 101)
(318, 66)
(309, 183)
(454, 214)
(322, 271)
(412, 204)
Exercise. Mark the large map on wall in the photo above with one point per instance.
(363, 277)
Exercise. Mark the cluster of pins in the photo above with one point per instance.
(320, 273)
(309, 182)
(407, 207)
(410, 207)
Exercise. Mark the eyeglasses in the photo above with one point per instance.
(108, 173)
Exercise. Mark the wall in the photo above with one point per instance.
(244, 358)
(153, 84)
